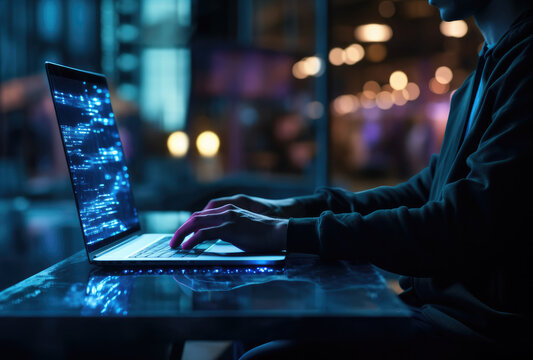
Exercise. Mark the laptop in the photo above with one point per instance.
(101, 183)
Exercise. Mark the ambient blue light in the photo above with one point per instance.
(97, 165)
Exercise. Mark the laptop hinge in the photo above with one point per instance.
(112, 246)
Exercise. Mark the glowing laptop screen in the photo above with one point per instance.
(95, 157)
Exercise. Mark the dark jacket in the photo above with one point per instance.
(460, 228)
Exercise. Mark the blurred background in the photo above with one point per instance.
(215, 97)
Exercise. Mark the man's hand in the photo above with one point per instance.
(276, 208)
(246, 230)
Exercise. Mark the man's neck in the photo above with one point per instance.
(496, 18)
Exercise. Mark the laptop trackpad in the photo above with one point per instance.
(222, 247)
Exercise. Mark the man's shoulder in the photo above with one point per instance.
(516, 48)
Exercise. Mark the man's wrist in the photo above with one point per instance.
(305, 206)
(285, 208)
(302, 235)
(280, 234)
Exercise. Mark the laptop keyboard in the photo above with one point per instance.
(160, 249)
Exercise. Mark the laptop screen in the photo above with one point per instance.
(95, 158)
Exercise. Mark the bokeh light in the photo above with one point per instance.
(354, 53)
(365, 101)
(413, 91)
(444, 75)
(309, 66)
(345, 104)
(398, 80)
(438, 88)
(456, 29)
(314, 110)
(372, 86)
(400, 97)
(384, 100)
(386, 9)
(373, 33)
(387, 87)
(312, 65)
(298, 70)
(208, 144)
(376, 52)
(370, 94)
(178, 144)
(337, 56)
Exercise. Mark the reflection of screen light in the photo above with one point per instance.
(208, 144)
(224, 279)
(178, 144)
(107, 295)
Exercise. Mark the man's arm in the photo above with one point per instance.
(475, 222)
(412, 193)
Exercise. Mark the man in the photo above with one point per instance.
(458, 229)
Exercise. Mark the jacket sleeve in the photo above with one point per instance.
(477, 219)
(412, 193)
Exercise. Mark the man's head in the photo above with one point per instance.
(458, 9)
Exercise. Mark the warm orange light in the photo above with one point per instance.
(384, 100)
(313, 65)
(345, 104)
(372, 86)
(354, 53)
(366, 102)
(337, 56)
(438, 88)
(309, 66)
(386, 8)
(370, 94)
(373, 33)
(456, 29)
(398, 80)
(399, 97)
(413, 91)
(387, 87)
(178, 144)
(298, 70)
(444, 75)
(208, 144)
(376, 52)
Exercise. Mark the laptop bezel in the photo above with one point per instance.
(53, 69)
